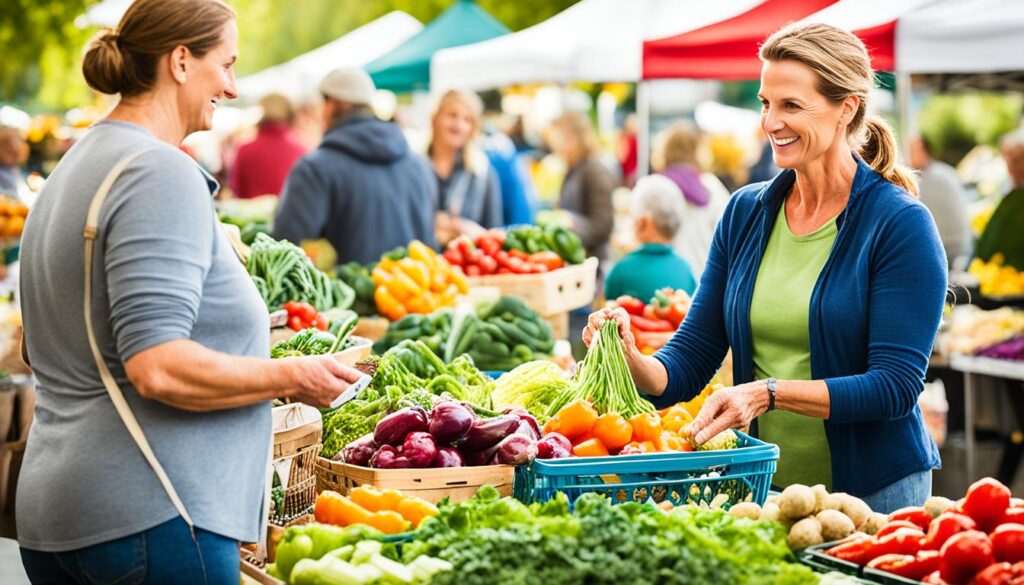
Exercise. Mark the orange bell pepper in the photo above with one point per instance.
(381, 277)
(416, 510)
(676, 418)
(612, 430)
(368, 497)
(403, 287)
(387, 304)
(457, 278)
(590, 448)
(573, 420)
(334, 508)
(389, 522)
(646, 427)
(673, 442)
(391, 499)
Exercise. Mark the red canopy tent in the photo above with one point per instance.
(727, 50)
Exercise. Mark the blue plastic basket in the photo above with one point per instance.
(744, 474)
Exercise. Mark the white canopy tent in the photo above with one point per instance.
(593, 40)
(299, 77)
(961, 36)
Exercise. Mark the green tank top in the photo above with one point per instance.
(780, 328)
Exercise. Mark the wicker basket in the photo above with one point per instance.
(433, 485)
(549, 293)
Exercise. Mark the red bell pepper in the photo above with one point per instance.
(944, 527)
(1013, 516)
(856, 550)
(650, 325)
(893, 526)
(964, 555)
(913, 514)
(995, 574)
(914, 567)
(904, 541)
(986, 502)
(1008, 543)
(632, 305)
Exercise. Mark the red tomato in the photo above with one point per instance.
(894, 525)
(986, 502)
(965, 554)
(295, 323)
(933, 579)
(914, 514)
(472, 270)
(1008, 543)
(945, 526)
(464, 245)
(857, 550)
(453, 256)
(997, 574)
(488, 265)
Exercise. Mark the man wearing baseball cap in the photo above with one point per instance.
(363, 189)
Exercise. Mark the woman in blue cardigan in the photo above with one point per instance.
(828, 284)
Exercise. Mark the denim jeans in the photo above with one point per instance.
(166, 554)
(912, 490)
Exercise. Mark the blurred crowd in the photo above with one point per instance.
(342, 174)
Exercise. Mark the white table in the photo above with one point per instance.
(973, 366)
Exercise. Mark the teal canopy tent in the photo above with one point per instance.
(407, 67)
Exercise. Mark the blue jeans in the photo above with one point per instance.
(166, 554)
(912, 490)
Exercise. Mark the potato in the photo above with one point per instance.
(936, 505)
(770, 512)
(805, 533)
(820, 493)
(745, 510)
(796, 502)
(856, 509)
(835, 525)
(833, 502)
(874, 523)
(772, 500)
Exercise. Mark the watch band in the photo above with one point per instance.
(773, 387)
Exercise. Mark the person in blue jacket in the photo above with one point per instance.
(828, 284)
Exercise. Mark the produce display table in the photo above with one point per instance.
(971, 367)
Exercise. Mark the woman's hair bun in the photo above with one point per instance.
(104, 63)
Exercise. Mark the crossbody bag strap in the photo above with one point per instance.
(113, 389)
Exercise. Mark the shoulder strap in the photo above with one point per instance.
(116, 395)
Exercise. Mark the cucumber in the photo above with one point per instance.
(530, 328)
(492, 349)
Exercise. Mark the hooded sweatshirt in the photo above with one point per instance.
(362, 189)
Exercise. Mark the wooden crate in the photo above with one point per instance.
(559, 325)
(456, 483)
(252, 574)
(372, 328)
(549, 293)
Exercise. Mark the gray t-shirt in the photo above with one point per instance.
(163, 271)
(944, 196)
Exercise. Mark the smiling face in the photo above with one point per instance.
(210, 79)
(455, 124)
(801, 123)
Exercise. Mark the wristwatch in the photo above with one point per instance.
(773, 386)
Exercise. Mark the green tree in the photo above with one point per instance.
(42, 47)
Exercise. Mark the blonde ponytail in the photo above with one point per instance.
(880, 151)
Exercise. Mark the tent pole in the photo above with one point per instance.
(903, 91)
(643, 128)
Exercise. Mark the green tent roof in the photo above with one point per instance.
(407, 67)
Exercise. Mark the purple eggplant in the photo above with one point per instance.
(420, 449)
(358, 452)
(487, 432)
(450, 421)
(478, 458)
(393, 428)
(388, 457)
(448, 457)
(516, 449)
(525, 417)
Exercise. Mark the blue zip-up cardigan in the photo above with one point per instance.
(874, 313)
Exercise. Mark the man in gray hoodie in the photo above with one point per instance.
(362, 189)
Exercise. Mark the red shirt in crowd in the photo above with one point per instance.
(262, 165)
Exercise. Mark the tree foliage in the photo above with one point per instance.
(42, 47)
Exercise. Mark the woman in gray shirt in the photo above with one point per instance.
(177, 320)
